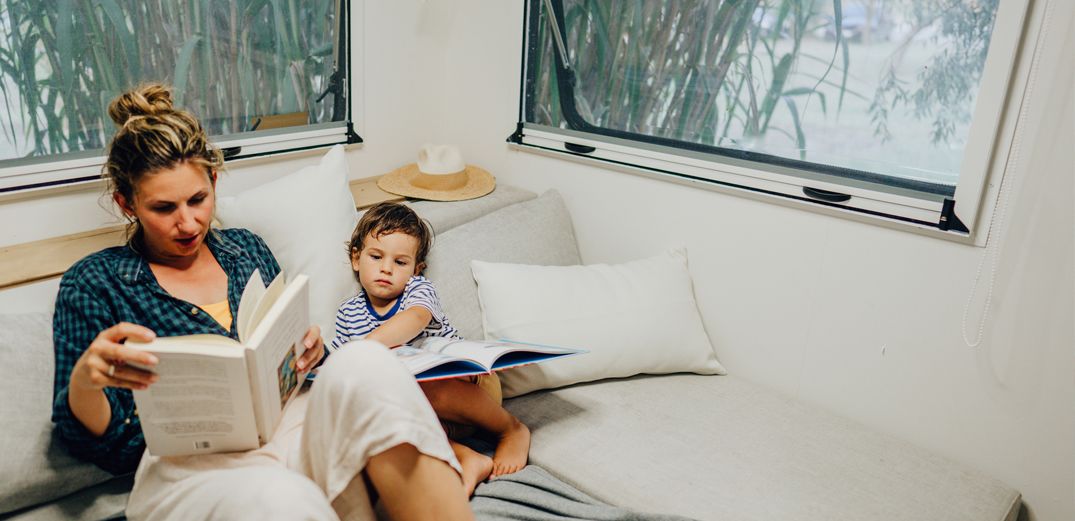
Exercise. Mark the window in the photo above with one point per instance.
(263, 77)
(885, 108)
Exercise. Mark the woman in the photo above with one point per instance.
(365, 423)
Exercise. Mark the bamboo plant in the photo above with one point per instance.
(62, 61)
(688, 70)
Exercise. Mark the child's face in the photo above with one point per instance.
(385, 264)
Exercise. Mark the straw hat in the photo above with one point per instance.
(439, 175)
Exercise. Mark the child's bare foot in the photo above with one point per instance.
(476, 466)
(513, 449)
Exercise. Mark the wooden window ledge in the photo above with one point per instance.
(39, 260)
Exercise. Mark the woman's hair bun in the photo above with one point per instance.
(147, 100)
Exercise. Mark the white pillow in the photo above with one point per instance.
(306, 219)
(637, 317)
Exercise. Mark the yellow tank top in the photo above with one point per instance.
(220, 312)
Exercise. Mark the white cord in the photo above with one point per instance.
(998, 219)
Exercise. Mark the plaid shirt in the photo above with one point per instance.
(116, 285)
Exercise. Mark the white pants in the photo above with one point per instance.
(362, 403)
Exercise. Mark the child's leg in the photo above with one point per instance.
(463, 402)
(476, 466)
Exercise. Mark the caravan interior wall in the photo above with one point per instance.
(859, 318)
(864, 320)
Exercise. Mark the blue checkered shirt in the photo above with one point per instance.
(116, 285)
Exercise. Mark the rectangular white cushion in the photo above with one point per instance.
(635, 317)
(722, 448)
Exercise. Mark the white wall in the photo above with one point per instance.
(795, 300)
(804, 302)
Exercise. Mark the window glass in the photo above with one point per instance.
(880, 90)
(238, 65)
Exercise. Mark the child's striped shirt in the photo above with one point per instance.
(356, 318)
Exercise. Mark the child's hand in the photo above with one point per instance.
(315, 349)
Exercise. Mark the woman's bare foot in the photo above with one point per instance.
(513, 449)
(476, 466)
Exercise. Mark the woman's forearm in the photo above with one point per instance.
(91, 407)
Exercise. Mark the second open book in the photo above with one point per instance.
(434, 358)
(216, 394)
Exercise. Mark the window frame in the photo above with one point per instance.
(962, 217)
(35, 174)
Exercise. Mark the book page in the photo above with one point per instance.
(253, 292)
(495, 355)
(483, 353)
(274, 348)
(526, 353)
(265, 303)
(427, 365)
(414, 359)
(200, 404)
(206, 344)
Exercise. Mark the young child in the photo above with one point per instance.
(396, 305)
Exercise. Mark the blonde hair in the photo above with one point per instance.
(153, 135)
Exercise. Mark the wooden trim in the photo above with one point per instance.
(291, 119)
(367, 193)
(39, 260)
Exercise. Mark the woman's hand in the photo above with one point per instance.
(315, 348)
(106, 362)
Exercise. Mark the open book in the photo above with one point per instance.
(434, 358)
(218, 395)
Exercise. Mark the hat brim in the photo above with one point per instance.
(401, 182)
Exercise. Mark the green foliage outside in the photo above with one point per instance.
(805, 79)
(230, 62)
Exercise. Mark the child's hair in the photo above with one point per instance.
(387, 218)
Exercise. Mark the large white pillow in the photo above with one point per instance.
(306, 218)
(637, 317)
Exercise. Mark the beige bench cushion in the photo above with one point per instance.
(719, 447)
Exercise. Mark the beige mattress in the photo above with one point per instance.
(721, 448)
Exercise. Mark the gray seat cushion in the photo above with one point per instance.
(444, 216)
(34, 468)
(537, 231)
(719, 447)
(106, 500)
